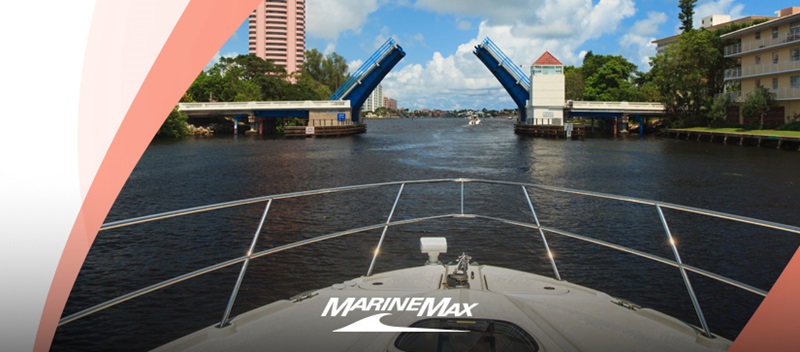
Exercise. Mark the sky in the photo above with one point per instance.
(440, 71)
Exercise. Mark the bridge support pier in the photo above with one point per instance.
(641, 125)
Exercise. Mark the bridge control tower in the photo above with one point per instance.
(547, 97)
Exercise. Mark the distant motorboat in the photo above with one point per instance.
(474, 120)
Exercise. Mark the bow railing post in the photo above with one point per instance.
(685, 277)
(385, 228)
(541, 233)
(239, 280)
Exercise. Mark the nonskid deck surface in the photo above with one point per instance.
(558, 315)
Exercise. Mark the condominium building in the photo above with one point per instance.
(389, 103)
(710, 23)
(374, 101)
(768, 55)
(277, 31)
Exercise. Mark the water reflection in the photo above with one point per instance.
(748, 181)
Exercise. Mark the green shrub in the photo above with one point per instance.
(175, 126)
(791, 126)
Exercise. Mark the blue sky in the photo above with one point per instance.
(440, 71)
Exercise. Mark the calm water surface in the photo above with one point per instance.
(752, 182)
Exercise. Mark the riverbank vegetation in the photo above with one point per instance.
(688, 78)
(250, 78)
(744, 131)
(175, 126)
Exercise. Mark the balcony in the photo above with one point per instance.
(733, 73)
(787, 93)
(762, 44)
(784, 66)
(733, 49)
(734, 97)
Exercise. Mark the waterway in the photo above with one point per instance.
(752, 182)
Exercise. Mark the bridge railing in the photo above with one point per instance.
(329, 122)
(364, 69)
(264, 105)
(459, 199)
(506, 62)
(615, 105)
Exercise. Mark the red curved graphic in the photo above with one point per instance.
(199, 33)
(774, 326)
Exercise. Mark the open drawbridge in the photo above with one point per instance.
(350, 96)
(516, 83)
(360, 85)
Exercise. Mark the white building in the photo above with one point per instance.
(546, 104)
(374, 101)
(714, 20)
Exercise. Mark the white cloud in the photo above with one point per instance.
(217, 56)
(326, 19)
(381, 38)
(352, 66)
(464, 25)
(716, 7)
(460, 79)
(329, 48)
(510, 9)
(419, 38)
(638, 42)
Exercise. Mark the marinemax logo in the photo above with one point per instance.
(427, 307)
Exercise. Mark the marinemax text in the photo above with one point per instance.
(423, 306)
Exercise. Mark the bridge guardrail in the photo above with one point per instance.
(615, 105)
(363, 70)
(263, 105)
(506, 62)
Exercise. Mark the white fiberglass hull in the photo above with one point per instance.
(560, 316)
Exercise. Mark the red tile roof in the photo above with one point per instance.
(547, 59)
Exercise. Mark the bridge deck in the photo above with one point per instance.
(252, 107)
(361, 84)
(615, 107)
(515, 82)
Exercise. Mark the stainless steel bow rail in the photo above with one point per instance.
(245, 259)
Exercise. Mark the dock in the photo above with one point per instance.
(323, 131)
(739, 139)
(549, 131)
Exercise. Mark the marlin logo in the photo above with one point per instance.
(428, 307)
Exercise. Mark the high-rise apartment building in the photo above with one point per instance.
(768, 55)
(374, 101)
(278, 32)
(389, 103)
(710, 23)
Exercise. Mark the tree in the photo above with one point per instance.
(608, 78)
(330, 70)
(757, 103)
(175, 126)
(686, 15)
(688, 74)
(573, 78)
(250, 78)
(719, 110)
(306, 88)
